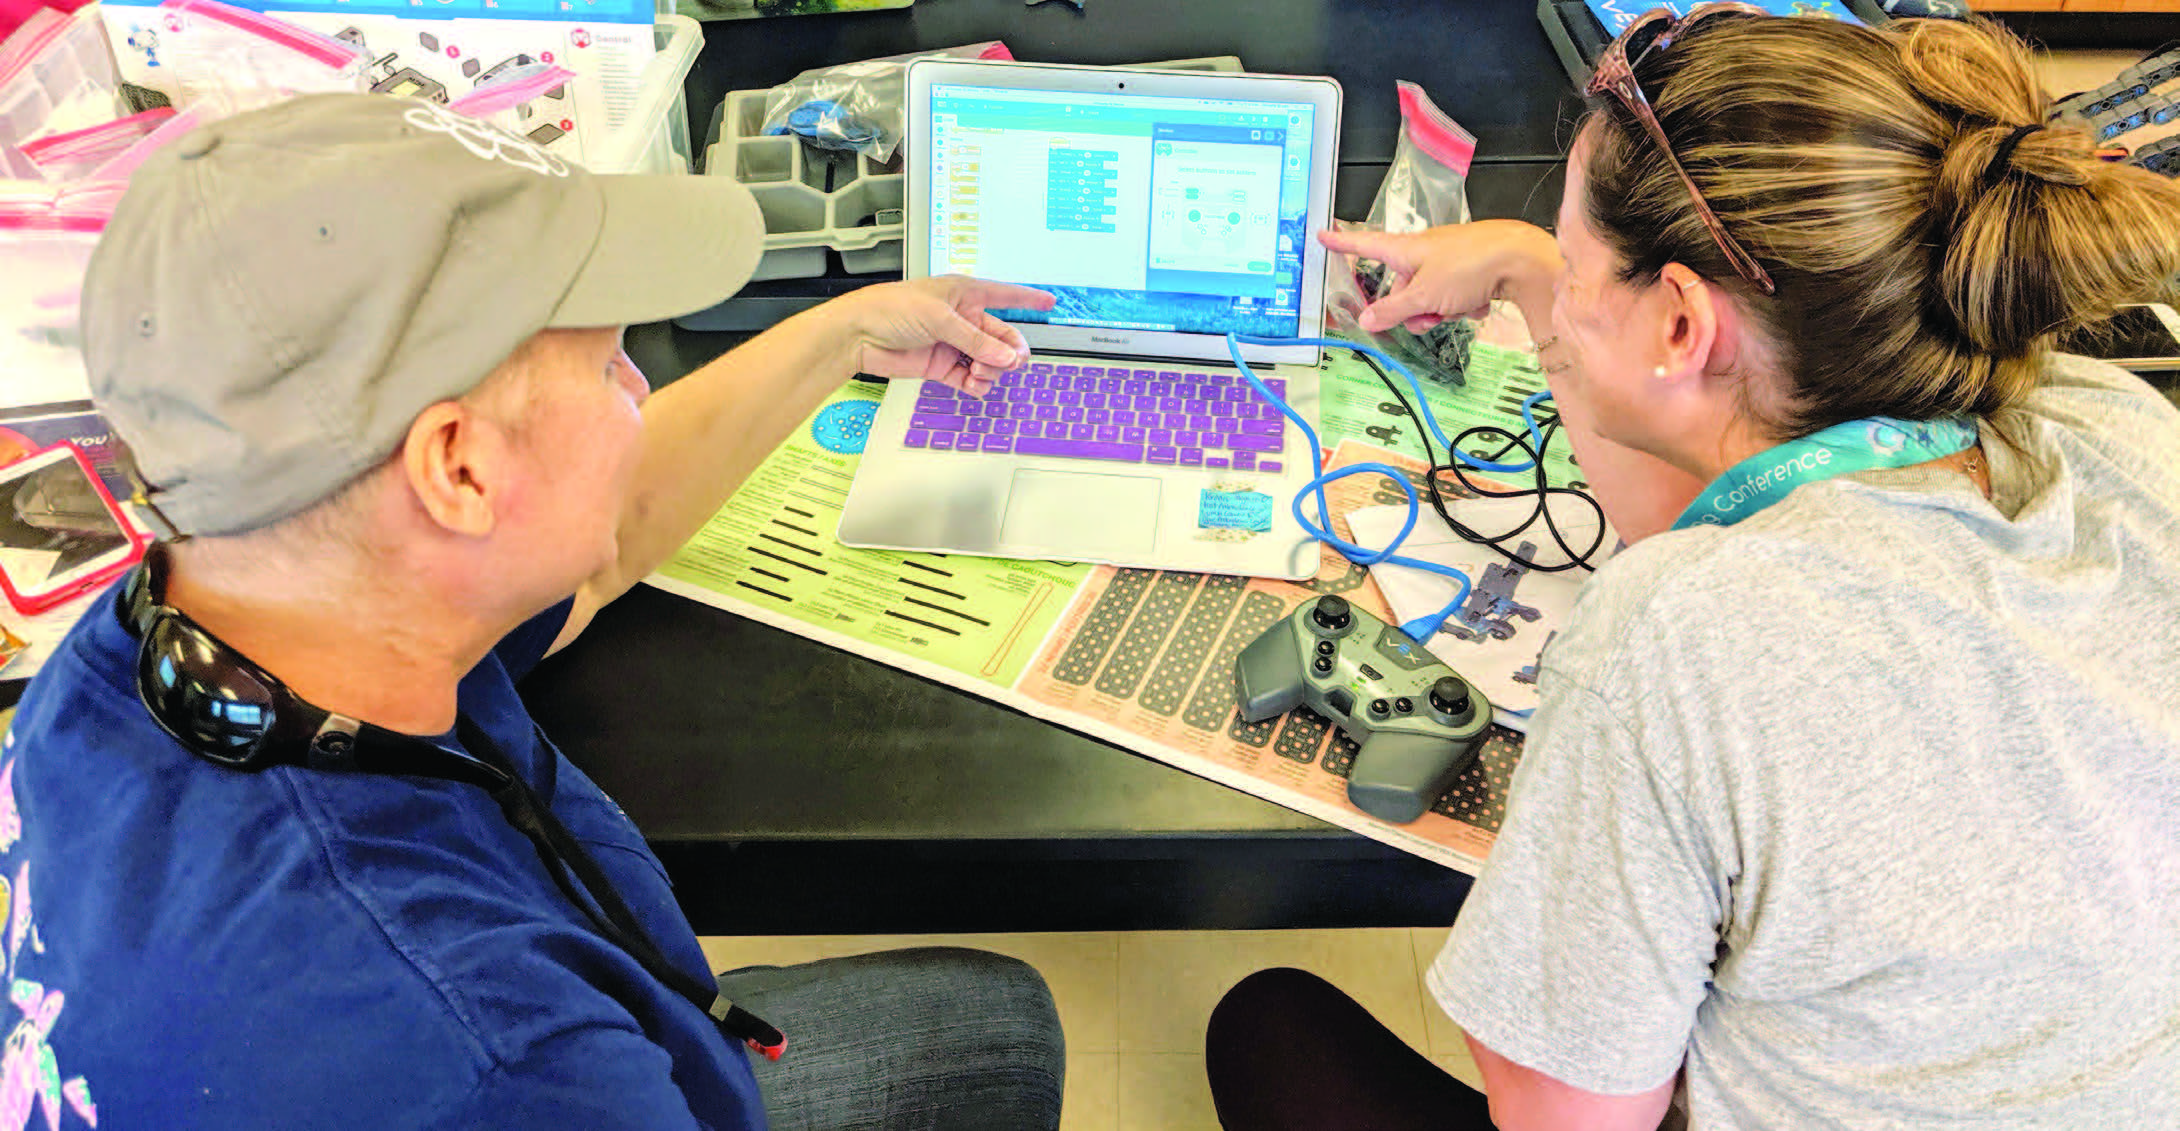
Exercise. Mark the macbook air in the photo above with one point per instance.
(1164, 210)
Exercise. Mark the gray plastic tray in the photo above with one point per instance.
(813, 200)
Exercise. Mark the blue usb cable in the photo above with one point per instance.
(1424, 627)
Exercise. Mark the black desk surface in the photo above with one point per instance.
(792, 787)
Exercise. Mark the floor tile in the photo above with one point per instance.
(1080, 968)
(1170, 980)
(1442, 1036)
(1448, 1048)
(1427, 941)
(1092, 1102)
(729, 953)
(1165, 1091)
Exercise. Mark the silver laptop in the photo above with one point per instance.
(1164, 209)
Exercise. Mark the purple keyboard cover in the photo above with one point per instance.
(1165, 417)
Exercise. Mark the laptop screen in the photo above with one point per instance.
(1140, 212)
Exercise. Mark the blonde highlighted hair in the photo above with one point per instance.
(1924, 266)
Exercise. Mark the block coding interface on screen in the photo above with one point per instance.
(1140, 212)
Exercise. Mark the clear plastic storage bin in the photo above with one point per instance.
(56, 75)
(655, 139)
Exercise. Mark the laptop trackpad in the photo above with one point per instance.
(1070, 514)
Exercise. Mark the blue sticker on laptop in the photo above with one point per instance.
(1234, 510)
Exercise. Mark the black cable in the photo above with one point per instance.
(1542, 491)
(578, 876)
(1430, 458)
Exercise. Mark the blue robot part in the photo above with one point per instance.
(1528, 672)
(2135, 117)
(1491, 609)
(2162, 157)
(2134, 83)
(826, 125)
(845, 427)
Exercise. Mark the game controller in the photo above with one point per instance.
(1419, 723)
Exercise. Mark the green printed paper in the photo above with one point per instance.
(1355, 405)
(773, 546)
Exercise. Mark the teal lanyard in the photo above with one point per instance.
(1843, 449)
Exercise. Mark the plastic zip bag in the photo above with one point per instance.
(1424, 187)
(56, 76)
(46, 241)
(113, 175)
(857, 106)
(75, 155)
(238, 60)
(15, 13)
(501, 101)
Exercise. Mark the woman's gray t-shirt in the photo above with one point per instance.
(1865, 812)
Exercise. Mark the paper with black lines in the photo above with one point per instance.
(772, 546)
(1139, 658)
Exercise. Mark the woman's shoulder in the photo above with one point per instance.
(2073, 371)
(1732, 598)
(2100, 399)
(1648, 599)
(2094, 430)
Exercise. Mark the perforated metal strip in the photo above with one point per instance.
(1146, 632)
(1192, 642)
(1087, 650)
(1213, 704)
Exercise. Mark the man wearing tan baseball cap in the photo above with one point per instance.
(281, 846)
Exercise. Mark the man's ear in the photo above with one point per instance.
(455, 463)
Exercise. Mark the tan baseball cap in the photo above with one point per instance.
(279, 294)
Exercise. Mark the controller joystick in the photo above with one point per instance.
(1450, 696)
(1418, 722)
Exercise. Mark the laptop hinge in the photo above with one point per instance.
(1147, 360)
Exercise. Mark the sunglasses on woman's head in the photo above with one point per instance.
(1655, 31)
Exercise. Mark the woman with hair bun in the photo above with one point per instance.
(1854, 796)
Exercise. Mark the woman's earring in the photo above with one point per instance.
(1657, 372)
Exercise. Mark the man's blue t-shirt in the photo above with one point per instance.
(190, 946)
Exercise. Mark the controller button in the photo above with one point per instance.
(1450, 695)
(1325, 647)
(1403, 705)
(1380, 706)
(1331, 614)
(1322, 665)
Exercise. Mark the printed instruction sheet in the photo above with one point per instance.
(1139, 658)
(771, 551)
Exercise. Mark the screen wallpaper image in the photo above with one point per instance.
(1137, 212)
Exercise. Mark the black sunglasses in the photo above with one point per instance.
(224, 707)
(209, 696)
